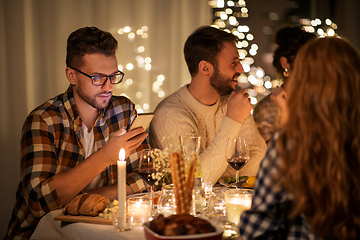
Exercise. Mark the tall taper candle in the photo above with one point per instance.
(122, 189)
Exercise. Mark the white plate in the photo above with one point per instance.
(142, 194)
(222, 182)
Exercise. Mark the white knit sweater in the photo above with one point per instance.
(181, 114)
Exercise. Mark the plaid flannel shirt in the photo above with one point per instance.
(51, 144)
(268, 217)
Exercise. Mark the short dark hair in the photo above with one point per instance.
(289, 40)
(88, 40)
(204, 44)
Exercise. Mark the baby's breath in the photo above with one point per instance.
(161, 159)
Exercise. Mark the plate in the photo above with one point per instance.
(151, 235)
(231, 185)
(83, 219)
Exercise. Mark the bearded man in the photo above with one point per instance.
(70, 144)
(210, 106)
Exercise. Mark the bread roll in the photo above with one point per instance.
(85, 204)
(72, 207)
(93, 205)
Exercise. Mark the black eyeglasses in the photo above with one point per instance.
(100, 80)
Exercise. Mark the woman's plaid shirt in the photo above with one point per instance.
(51, 144)
(268, 217)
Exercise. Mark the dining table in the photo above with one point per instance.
(50, 227)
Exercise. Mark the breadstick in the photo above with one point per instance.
(190, 181)
(182, 186)
(172, 161)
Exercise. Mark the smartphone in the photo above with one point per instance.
(142, 120)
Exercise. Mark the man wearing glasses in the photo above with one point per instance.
(71, 142)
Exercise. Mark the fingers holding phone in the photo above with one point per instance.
(141, 120)
(129, 141)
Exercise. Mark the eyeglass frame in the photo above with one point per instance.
(108, 77)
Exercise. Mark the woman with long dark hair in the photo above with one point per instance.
(267, 113)
(308, 185)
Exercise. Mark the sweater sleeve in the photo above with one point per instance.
(213, 162)
(257, 146)
(168, 124)
(173, 120)
(165, 131)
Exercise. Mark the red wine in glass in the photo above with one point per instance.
(237, 163)
(147, 175)
(237, 154)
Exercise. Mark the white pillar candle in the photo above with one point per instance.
(236, 205)
(122, 189)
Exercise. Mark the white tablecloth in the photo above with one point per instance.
(50, 229)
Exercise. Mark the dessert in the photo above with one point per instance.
(180, 224)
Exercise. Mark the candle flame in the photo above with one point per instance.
(122, 154)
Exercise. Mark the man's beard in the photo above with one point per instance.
(222, 84)
(89, 100)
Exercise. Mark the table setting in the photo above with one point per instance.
(214, 209)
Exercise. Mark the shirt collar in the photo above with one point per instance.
(70, 105)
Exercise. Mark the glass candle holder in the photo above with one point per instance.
(207, 186)
(217, 205)
(166, 203)
(138, 210)
(237, 201)
(115, 217)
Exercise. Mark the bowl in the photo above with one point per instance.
(151, 235)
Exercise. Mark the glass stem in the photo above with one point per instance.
(237, 177)
(152, 196)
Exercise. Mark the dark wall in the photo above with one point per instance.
(347, 16)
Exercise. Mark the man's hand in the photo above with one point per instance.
(122, 139)
(279, 97)
(239, 106)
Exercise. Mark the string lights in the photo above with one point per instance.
(321, 28)
(141, 61)
(227, 16)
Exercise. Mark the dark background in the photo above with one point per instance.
(345, 13)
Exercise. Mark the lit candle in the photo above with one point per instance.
(122, 189)
(139, 209)
(237, 201)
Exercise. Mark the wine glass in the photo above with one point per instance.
(149, 170)
(237, 154)
(190, 146)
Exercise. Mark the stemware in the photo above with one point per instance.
(237, 154)
(149, 170)
(190, 146)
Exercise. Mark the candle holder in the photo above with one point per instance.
(207, 186)
(217, 206)
(138, 210)
(115, 218)
(166, 203)
(237, 201)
